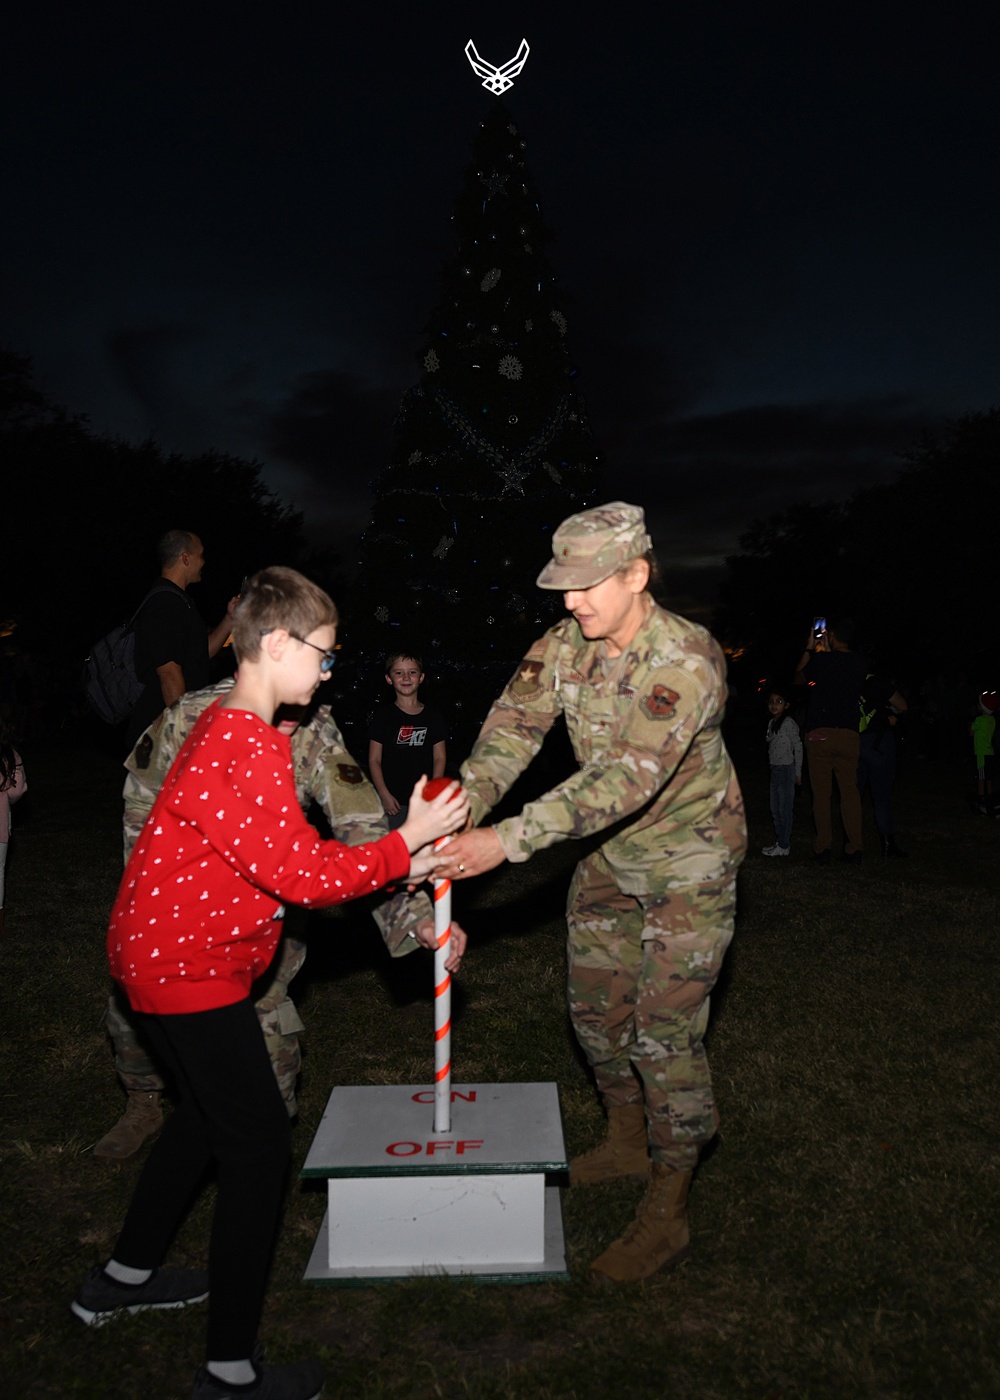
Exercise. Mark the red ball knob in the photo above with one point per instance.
(435, 786)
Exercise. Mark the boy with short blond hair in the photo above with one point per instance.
(196, 920)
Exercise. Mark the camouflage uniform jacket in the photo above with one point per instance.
(645, 729)
(324, 772)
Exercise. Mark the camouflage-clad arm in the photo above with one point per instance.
(674, 704)
(398, 915)
(153, 756)
(514, 728)
(326, 773)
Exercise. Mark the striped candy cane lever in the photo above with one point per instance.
(442, 983)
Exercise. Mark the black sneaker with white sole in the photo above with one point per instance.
(101, 1297)
(302, 1380)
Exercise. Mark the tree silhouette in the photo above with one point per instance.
(492, 449)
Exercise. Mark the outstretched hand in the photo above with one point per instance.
(426, 937)
(472, 853)
(425, 864)
(427, 822)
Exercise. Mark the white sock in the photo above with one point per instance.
(121, 1273)
(233, 1372)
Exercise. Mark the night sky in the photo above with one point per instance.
(777, 226)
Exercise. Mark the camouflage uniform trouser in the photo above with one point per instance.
(640, 971)
(279, 1021)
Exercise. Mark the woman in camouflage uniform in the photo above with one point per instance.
(650, 912)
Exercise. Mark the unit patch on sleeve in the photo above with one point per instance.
(660, 702)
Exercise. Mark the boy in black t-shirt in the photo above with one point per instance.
(405, 738)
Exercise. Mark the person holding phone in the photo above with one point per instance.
(836, 679)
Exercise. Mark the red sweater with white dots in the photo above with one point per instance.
(198, 912)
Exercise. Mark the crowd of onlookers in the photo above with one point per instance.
(844, 721)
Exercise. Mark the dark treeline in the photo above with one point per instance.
(82, 513)
(911, 561)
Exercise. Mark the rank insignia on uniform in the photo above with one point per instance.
(627, 691)
(144, 751)
(349, 773)
(659, 704)
(527, 680)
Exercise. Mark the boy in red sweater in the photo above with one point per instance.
(196, 920)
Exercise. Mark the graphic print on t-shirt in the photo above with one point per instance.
(408, 741)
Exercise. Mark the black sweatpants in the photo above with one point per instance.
(229, 1115)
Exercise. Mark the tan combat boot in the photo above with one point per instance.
(658, 1237)
(142, 1120)
(622, 1153)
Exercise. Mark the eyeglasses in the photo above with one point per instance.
(329, 657)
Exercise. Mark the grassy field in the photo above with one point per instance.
(845, 1224)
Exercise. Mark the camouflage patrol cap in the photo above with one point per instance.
(589, 547)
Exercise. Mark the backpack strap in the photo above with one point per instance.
(156, 588)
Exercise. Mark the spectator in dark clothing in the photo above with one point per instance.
(406, 738)
(172, 647)
(835, 676)
(881, 702)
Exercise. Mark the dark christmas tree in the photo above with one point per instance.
(492, 450)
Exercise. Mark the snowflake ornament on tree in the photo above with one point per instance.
(431, 361)
(490, 280)
(560, 321)
(510, 367)
(382, 613)
(443, 545)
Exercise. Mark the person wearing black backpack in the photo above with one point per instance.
(172, 647)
